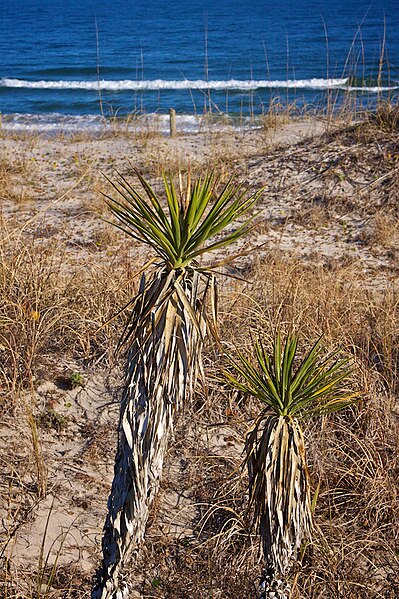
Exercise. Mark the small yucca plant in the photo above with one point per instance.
(279, 486)
(164, 336)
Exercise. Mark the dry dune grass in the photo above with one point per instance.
(50, 309)
(11, 173)
(58, 411)
(353, 456)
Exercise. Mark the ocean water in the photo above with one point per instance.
(61, 61)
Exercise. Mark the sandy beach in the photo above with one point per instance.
(323, 254)
(54, 184)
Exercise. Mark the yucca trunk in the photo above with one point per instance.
(167, 327)
(279, 492)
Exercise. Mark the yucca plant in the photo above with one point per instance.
(164, 336)
(279, 485)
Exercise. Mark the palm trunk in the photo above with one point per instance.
(280, 492)
(168, 326)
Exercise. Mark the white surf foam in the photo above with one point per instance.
(159, 84)
(53, 123)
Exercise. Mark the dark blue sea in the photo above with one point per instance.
(64, 60)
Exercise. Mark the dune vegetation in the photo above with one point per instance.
(320, 258)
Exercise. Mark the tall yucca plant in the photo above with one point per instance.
(279, 486)
(164, 336)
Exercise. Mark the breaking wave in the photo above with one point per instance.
(159, 84)
(55, 123)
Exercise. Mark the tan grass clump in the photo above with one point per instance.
(50, 307)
